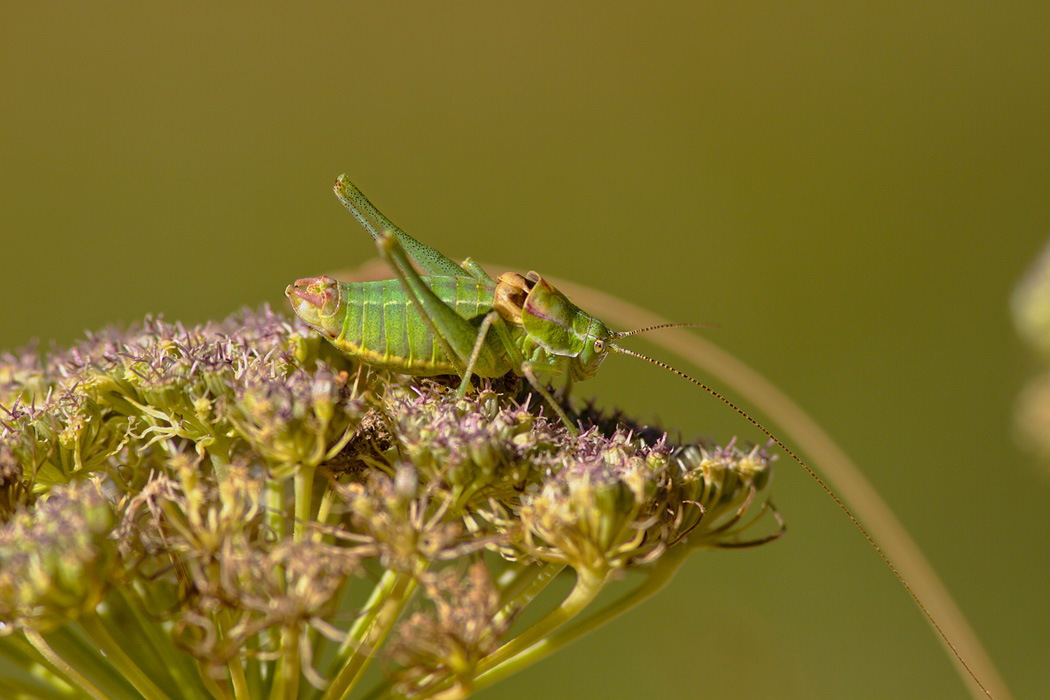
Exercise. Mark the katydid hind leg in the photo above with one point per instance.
(477, 271)
(479, 343)
(432, 261)
(459, 340)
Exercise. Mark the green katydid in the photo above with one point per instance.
(459, 320)
(456, 320)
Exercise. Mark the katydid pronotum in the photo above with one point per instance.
(456, 319)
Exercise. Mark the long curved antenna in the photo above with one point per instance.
(796, 422)
(660, 326)
(845, 509)
(841, 470)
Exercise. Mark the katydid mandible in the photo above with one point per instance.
(456, 319)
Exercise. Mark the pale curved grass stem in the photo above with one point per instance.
(840, 471)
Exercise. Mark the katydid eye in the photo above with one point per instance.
(599, 345)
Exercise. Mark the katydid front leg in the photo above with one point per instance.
(526, 367)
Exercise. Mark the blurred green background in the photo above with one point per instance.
(850, 190)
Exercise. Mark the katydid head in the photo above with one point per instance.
(318, 302)
(552, 322)
(560, 327)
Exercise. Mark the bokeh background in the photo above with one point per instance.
(850, 189)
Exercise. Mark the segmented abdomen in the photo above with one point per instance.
(383, 327)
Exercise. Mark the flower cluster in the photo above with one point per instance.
(239, 511)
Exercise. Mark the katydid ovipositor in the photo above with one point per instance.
(458, 319)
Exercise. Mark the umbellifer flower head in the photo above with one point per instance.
(252, 503)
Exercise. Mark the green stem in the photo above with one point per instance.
(219, 691)
(525, 587)
(97, 632)
(275, 514)
(67, 671)
(317, 641)
(304, 491)
(384, 606)
(235, 666)
(238, 679)
(73, 645)
(177, 664)
(276, 497)
(55, 688)
(324, 510)
(663, 571)
(588, 585)
(286, 682)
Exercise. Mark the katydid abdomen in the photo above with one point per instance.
(379, 323)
